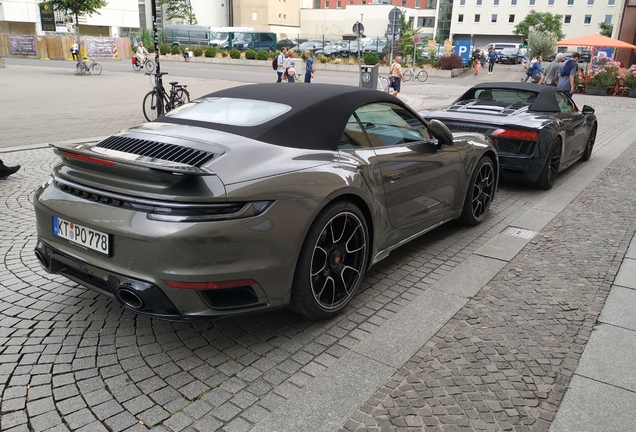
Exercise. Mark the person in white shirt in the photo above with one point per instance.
(281, 64)
(141, 53)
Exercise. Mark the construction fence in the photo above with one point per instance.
(59, 47)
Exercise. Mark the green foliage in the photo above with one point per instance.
(210, 52)
(164, 49)
(198, 51)
(224, 53)
(180, 10)
(606, 29)
(175, 50)
(250, 54)
(371, 58)
(261, 55)
(606, 75)
(322, 59)
(271, 56)
(542, 22)
(235, 54)
(541, 43)
(630, 77)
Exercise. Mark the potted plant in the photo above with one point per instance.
(630, 80)
(602, 78)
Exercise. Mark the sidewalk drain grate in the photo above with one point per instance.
(519, 232)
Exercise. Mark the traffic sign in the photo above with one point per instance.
(393, 30)
(416, 38)
(395, 15)
(358, 28)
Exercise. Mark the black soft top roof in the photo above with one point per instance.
(316, 121)
(544, 101)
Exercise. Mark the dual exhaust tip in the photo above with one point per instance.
(129, 297)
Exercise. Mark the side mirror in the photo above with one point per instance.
(441, 132)
(587, 109)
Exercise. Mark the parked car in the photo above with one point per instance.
(509, 55)
(313, 44)
(376, 45)
(566, 56)
(538, 130)
(286, 43)
(227, 205)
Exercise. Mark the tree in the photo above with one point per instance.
(180, 10)
(77, 8)
(541, 43)
(606, 29)
(405, 44)
(542, 22)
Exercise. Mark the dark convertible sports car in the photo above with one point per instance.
(253, 198)
(538, 130)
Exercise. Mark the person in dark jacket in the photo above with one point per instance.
(492, 58)
(6, 171)
(309, 67)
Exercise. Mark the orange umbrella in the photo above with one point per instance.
(595, 40)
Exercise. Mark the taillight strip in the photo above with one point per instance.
(89, 159)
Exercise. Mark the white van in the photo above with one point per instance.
(221, 37)
(498, 46)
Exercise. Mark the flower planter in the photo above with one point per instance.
(632, 93)
(596, 91)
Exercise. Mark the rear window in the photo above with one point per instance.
(500, 97)
(230, 111)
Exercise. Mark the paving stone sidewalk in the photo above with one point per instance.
(505, 360)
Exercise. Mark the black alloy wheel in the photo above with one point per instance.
(480, 192)
(332, 262)
(591, 139)
(551, 168)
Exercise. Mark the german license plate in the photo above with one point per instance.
(80, 235)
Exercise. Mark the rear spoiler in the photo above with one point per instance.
(89, 153)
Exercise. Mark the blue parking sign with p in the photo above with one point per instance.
(462, 49)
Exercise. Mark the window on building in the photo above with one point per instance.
(417, 4)
(460, 18)
(567, 19)
(426, 21)
(142, 15)
(285, 18)
(350, 1)
(570, 2)
(327, 4)
(532, 2)
(550, 2)
(339, 5)
(364, 1)
(431, 4)
(254, 16)
(462, 2)
(513, 2)
(611, 2)
(316, 4)
(588, 19)
(493, 18)
(590, 2)
(477, 18)
(495, 2)
(478, 2)
(280, 17)
(511, 18)
(403, 3)
(608, 19)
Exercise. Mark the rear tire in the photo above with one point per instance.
(551, 168)
(591, 139)
(152, 105)
(181, 97)
(422, 76)
(136, 66)
(332, 262)
(408, 75)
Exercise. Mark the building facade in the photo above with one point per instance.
(627, 33)
(486, 21)
(23, 17)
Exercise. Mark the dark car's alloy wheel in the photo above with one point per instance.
(332, 262)
(480, 192)
(591, 139)
(551, 169)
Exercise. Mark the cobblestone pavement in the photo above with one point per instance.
(71, 359)
(505, 360)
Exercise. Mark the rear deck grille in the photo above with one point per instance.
(469, 128)
(157, 150)
(514, 146)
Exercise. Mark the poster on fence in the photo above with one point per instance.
(99, 47)
(22, 45)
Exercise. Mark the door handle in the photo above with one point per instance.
(393, 177)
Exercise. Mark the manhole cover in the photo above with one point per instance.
(519, 232)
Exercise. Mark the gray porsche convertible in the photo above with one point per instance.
(256, 197)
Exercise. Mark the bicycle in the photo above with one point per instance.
(420, 74)
(383, 84)
(157, 102)
(89, 68)
(148, 64)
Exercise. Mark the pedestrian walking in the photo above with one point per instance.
(6, 171)
(552, 71)
(395, 76)
(567, 71)
(280, 61)
(75, 51)
(309, 67)
(477, 57)
(291, 70)
(492, 58)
